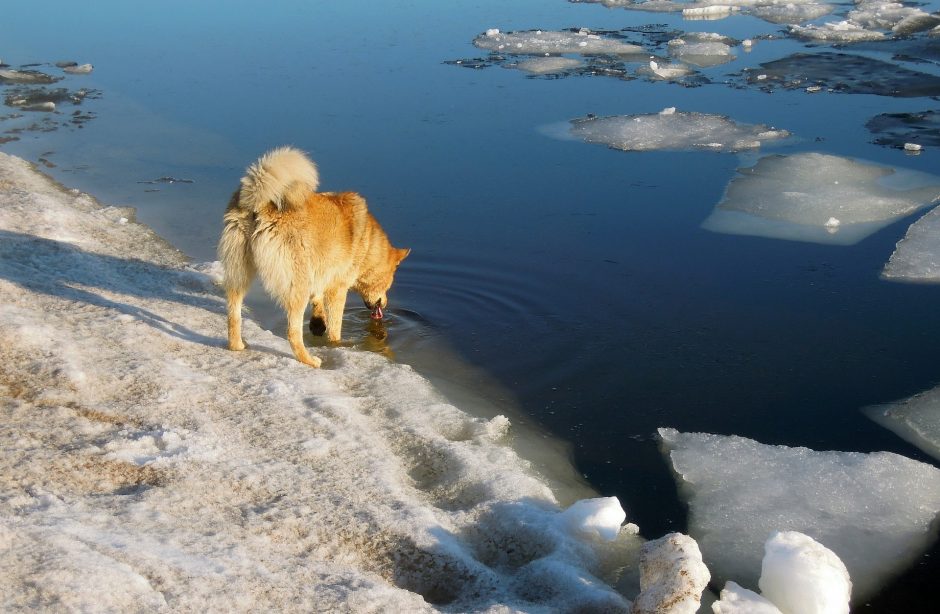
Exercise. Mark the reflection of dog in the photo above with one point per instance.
(304, 245)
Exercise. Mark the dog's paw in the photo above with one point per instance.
(237, 346)
(313, 362)
(317, 326)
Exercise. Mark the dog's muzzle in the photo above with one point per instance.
(376, 310)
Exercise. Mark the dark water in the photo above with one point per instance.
(569, 280)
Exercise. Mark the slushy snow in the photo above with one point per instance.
(673, 130)
(875, 511)
(797, 197)
(145, 467)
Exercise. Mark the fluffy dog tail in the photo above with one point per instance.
(282, 176)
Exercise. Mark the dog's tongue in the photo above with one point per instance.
(377, 313)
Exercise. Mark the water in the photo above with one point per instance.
(566, 280)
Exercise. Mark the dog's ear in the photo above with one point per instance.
(401, 254)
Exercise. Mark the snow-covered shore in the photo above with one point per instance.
(146, 467)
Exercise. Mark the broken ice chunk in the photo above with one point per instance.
(675, 70)
(673, 131)
(600, 517)
(790, 13)
(875, 511)
(836, 32)
(795, 198)
(672, 576)
(915, 419)
(800, 575)
(735, 599)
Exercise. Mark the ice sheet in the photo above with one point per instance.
(143, 466)
(548, 65)
(915, 419)
(702, 49)
(674, 131)
(819, 198)
(875, 511)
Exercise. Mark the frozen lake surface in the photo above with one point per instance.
(568, 286)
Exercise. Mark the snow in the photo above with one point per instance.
(673, 130)
(916, 419)
(537, 42)
(672, 576)
(874, 511)
(916, 257)
(801, 576)
(796, 197)
(735, 599)
(144, 466)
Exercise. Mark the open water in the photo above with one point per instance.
(569, 284)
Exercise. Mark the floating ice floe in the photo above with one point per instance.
(875, 511)
(702, 49)
(537, 42)
(836, 32)
(871, 20)
(790, 13)
(674, 131)
(819, 198)
(915, 419)
(900, 129)
(9, 75)
(845, 73)
(550, 65)
(666, 72)
(78, 69)
(916, 257)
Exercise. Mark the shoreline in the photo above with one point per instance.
(145, 465)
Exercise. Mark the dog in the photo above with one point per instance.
(305, 246)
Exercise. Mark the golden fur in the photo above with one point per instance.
(306, 246)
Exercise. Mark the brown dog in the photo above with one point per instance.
(306, 246)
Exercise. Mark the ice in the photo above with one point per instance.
(675, 131)
(916, 257)
(900, 129)
(548, 65)
(836, 32)
(144, 467)
(915, 419)
(790, 13)
(797, 197)
(875, 511)
(801, 576)
(735, 599)
(668, 72)
(537, 42)
(845, 73)
(672, 576)
(599, 518)
(702, 49)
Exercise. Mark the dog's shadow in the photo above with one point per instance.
(66, 271)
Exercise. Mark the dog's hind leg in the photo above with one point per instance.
(295, 329)
(334, 303)
(235, 297)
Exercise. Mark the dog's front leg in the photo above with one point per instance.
(335, 303)
(295, 330)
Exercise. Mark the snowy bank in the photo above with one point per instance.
(144, 467)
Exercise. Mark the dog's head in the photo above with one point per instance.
(377, 278)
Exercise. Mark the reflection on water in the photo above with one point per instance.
(572, 283)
